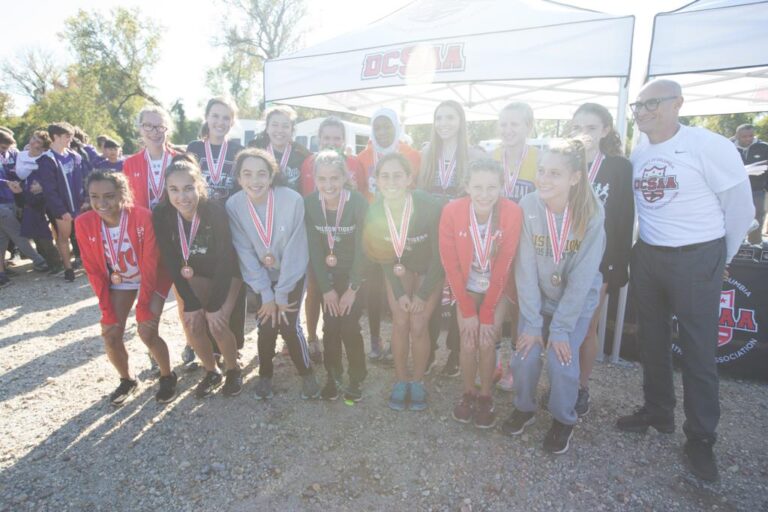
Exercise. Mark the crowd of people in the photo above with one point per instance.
(524, 238)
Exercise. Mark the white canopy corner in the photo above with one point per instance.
(716, 49)
(483, 54)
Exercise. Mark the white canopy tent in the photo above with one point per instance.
(483, 53)
(716, 49)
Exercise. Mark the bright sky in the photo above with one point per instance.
(190, 28)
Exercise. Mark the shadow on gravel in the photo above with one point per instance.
(81, 318)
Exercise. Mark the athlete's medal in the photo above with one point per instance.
(112, 252)
(187, 272)
(593, 170)
(265, 233)
(558, 240)
(399, 238)
(285, 157)
(511, 180)
(215, 169)
(446, 172)
(482, 247)
(156, 187)
(331, 260)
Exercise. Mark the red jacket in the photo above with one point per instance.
(135, 169)
(142, 236)
(457, 252)
(356, 174)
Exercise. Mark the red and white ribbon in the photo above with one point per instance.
(343, 197)
(446, 171)
(596, 167)
(215, 168)
(156, 187)
(114, 253)
(399, 238)
(482, 245)
(285, 157)
(558, 240)
(510, 182)
(264, 232)
(186, 244)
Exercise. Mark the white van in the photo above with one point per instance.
(245, 130)
(357, 135)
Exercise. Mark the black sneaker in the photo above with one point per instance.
(264, 389)
(330, 391)
(234, 383)
(353, 393)
(40, 267)
(126, 388)
(640, 420)
(558, 439)
(451, 368)
(167, 391)
(69, 275)
(515, 424)
(582, 402)
(701, 460)
(210, 382)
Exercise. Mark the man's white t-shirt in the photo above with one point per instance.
(676, 184)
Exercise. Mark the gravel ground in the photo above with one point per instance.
(65, 448)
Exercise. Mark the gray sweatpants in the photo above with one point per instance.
(10, 229)
(564, 379)
(686, 283)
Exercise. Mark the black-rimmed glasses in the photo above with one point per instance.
(650, 105)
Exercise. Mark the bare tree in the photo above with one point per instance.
(268, 27)
(32, 73)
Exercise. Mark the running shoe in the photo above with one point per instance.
(233, 384)
(397, 400)
(465, 409)
(310, 389)
(582, 402)
(167, 391)
(376, 349)
(558, 439)
(126, 388)
(515, 424)
(208, 385)
(418, 397)
(40, 267)
(264, 388)
(69, 275)
(485, 412)
(353, 393)
(451, 368)
(330, 390)
(187, 355)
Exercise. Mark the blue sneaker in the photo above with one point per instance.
(398, 396)
(418, 396)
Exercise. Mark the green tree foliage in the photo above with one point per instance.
(238, 77)
(186, 129)
(724, 124)
(115, 53)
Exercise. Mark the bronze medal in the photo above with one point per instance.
(187, 272)
(331, 260)
(269, 260)
(399, 269)
(115, 278)
(556, 279)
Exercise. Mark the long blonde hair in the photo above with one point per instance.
(435, 151)
(581, 198)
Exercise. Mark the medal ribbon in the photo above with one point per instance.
(215, 169)
(186, 245)
(558, 240)
(265, 233)
(481, 245)
(595, 167)
(399, 239)
(285, 157)
(156, 187)
(509, 187)
(113, 252)
(339, 211)
(446, 171)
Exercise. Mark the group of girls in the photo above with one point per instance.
(389, 220)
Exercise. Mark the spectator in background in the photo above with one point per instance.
(754, 150)
(111, 158)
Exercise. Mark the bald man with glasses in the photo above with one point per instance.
(694, 206)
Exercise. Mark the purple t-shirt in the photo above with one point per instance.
(7, 167)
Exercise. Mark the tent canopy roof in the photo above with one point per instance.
(483, 53)
(715, 49)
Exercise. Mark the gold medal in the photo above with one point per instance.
(399, 269)
(331, 260)
(556, 279)
(187, 272)
(115, 278)
(269, 260)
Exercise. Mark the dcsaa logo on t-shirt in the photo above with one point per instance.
(656, 182)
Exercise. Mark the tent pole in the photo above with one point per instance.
(621, 124)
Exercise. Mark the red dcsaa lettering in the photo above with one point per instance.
(390, 63)
(405, 57)
(372, 66)
(453, 60)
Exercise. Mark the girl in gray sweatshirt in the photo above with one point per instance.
(269, 235)
(558, 282)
